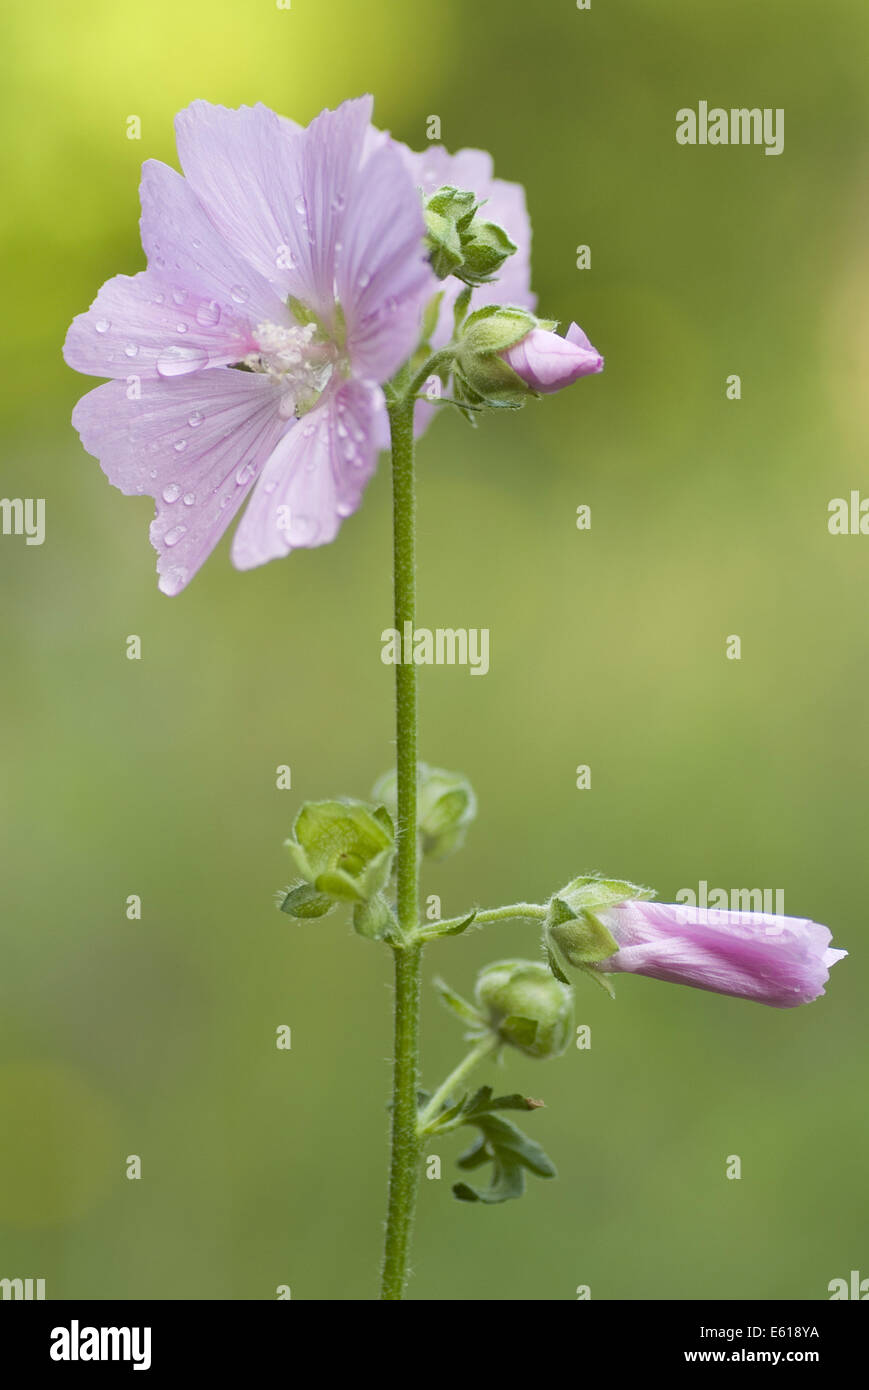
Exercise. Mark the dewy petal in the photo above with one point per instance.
(276, 194)
(314, 478)
(145, 326)
(775, 960)
(195, 445)
(384, 280)
(182, 243)
(241, 165)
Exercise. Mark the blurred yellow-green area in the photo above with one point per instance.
(156, 777)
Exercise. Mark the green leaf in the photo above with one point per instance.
(501, 1143)
(455, 930)
(483, 1102)
(507, 1183)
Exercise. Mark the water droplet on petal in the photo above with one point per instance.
(152, 473)
(344, 508)
(173, 536)
(308, 431)
(364, 280)
(208, 314)
(171, 493)
(299, 205)
(349, 451)
(270, 487)
(224, 501)
(239, 294)
(339, 202)
(181, 327)
(102, 325)
(180, 445)
(195, 419)
(178, 361)
(131, 349)
(189, 498)
(159, 298)
(179, 296)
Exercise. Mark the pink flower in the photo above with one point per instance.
(295, 253)
(782, 961)
(547, 362)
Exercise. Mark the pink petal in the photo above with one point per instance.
(147, 326)
(276, 194)
(384, 280)
(195, 445)
(181, 241)
(314, 478)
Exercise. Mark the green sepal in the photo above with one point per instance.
(573, 934)
(486, 247)
(375, 920)
(495, 328)
(446, 806)
(430, 316)
(343, 849)
(460, 309)
(302, 901)
(301, 313)
(459, 1005)
(594, 892)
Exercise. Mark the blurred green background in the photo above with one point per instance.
(157, 777)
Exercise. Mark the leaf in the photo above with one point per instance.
(455, 930)
(484, 1102)
(508, 1182)
(501, 1143)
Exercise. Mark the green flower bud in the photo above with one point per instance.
(459, 242)
(343, 849)
(446, 805)
(526, 1006)
(486, 247)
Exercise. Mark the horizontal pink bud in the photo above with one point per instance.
(547, 362)
(782, 961)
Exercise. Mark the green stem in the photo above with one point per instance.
(404, 1162)
(489, 914)
(485, 1047)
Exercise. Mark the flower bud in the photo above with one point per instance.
(459, 242)
(547, 362)
(343, 850)
(446, 805)
(526, 1006)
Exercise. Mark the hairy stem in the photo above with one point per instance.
(404, 1162)
(535, 911)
